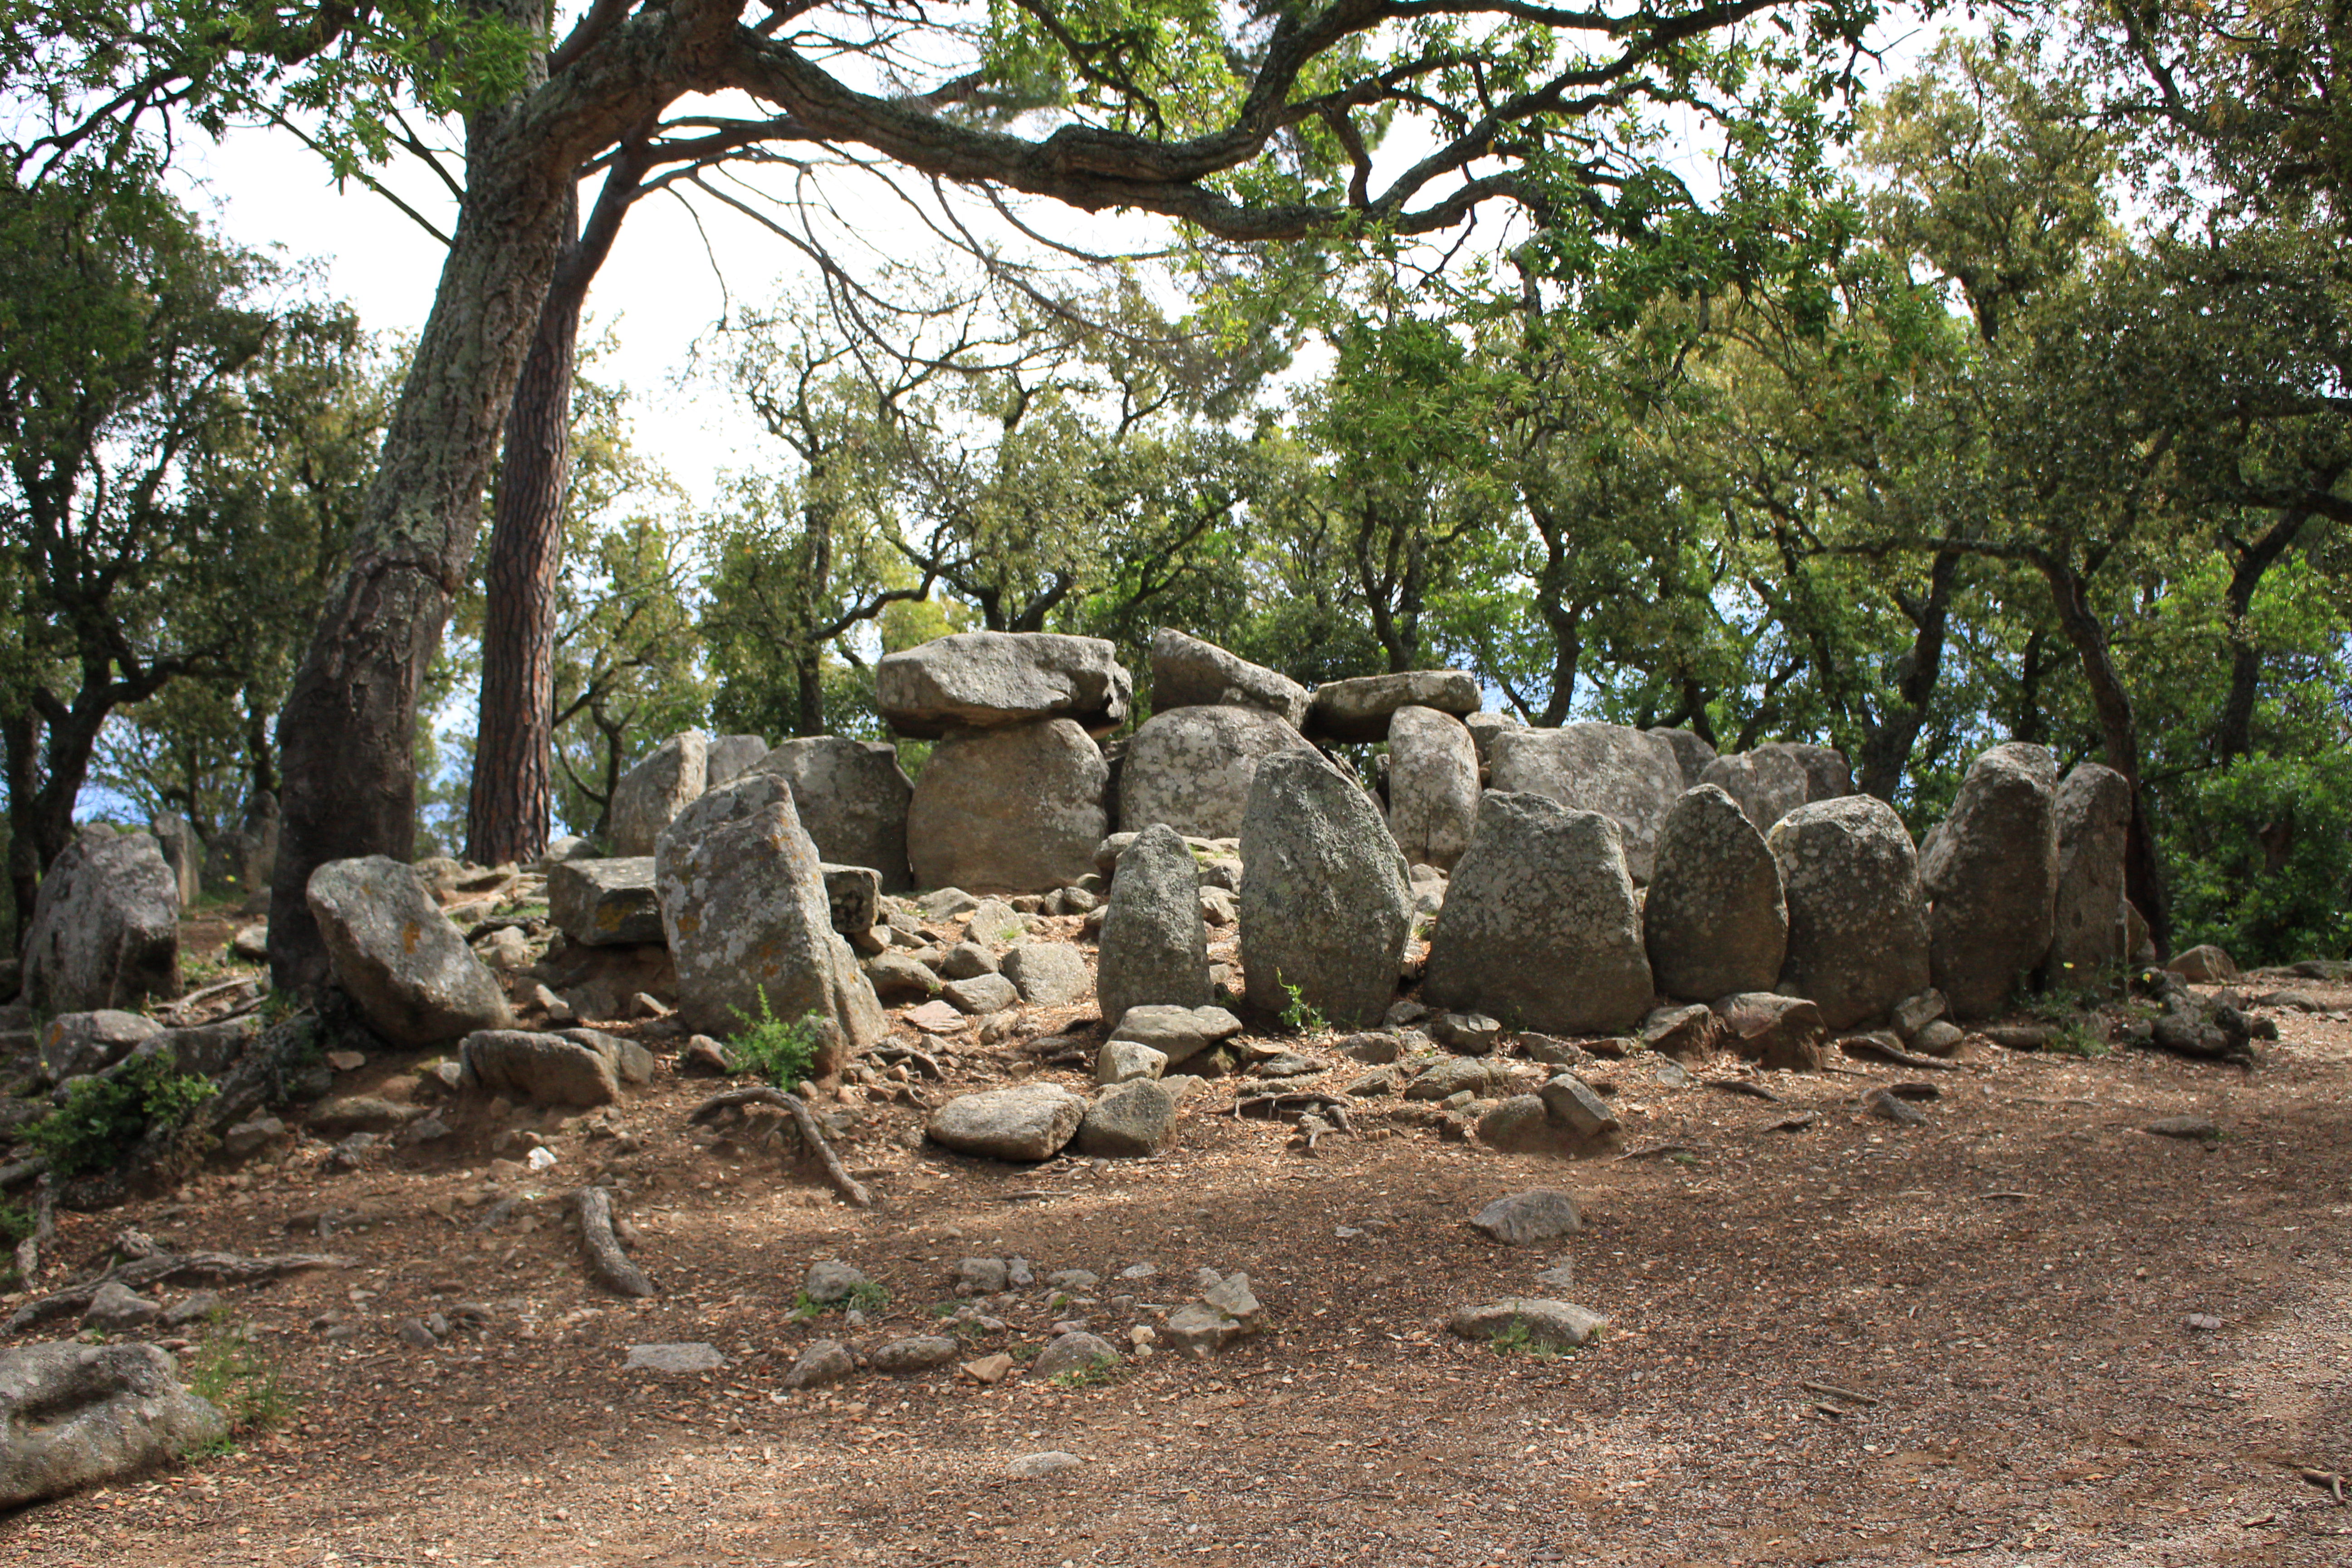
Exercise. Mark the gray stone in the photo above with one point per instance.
(1916, 1011)
(853, 798)
(1359, 710)
(966, 960)
(830, 1282)
(1071, 1352)
(632, 1063)
(182, 851)
(727, 758)
(605, 903)
(1030, 1121)
(1938, 1037)
(1687, 1032)
(1521, 1125)
(360, 1113)
(1573, 1104)
(1469, 1034)
(1432, 786)
(1037, 1466)
(1450, 1076)
(1189, 673)
(1326, 906)
(2093, 812)
(853, 896)
(105, 930)
(750, 929)
(75, 1415)
(1828, 777)
(1048, 974)
(2191, 1129)
(193, 1308)
(1692, 755)
(251, 943)
(649, 797)
(988, 680)
(1785, 1033)
(115, 1309)
(1377, 1049)
(248, 1139)
(1131, 1120)
(1154, 947)
(916, 1353)
(1522, 1219)
(2204, 965)
(981, 995)
(898, 977)
(994, 921)
(980, 1276)
(1541, 928)
(397, 956)
(1716, 919)
(1991, 881)
(1015, 809)
(677, 1359)
(543, 1070)
(945, 904)
(1125, 1061)
(825, 1362)
(1178, 1034)
(1552, 1325)
(1768, 783)
(242, 860)
(1857, 918)
(1628, 776)
(80, 1043)
(1483, 728)
(1190, 768)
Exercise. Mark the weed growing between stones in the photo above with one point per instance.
(240, 1379)
(1301, 1016)
(779, 1050)
(1101, 1374)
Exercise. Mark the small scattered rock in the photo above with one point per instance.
(1540, 1214)
(979, 1277)
(1031, 1467)
(988, 1370)
(833, 1282)
(116, 1308)
(2202, 1129)
(689, 1358)
(916, 1352)
(1466, 1034)
(825, 1362)
(1074, 1352)
(1555, 1325)
(1889, 1107)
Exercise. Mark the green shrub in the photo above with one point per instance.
(241, 1380)
(103, 1117)
(779, 1050)
(1301, 1016)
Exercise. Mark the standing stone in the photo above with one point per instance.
(2094, 812)
(396, 954)
(1857, 919)
(728, 757)
(1992, 880)
(1432, 786)
(1483, 728)
(105, 930)
(649, 796)
(182, 851)
(744, 905)
(1715, 920)
(1154, 950)
(1768, 784)
(605, 903)
(1828, 776)
(985, 680)
(1692, 755)
(852, 798)
(1359, 710)
(1326, 905)
(1626, 775)
(1189, 673)
(1190, 768)
(1017, 809)
(1539, 927)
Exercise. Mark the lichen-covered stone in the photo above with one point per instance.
(1030, 1121)
(1715, 920)
(649, 797)
(988, 679)
(1154, 948)
(1857, 919)
(1628, 776)
(1014, 809)
(105, 930)
(75, 1415)
(605, 903)
(1991, 881)
(2087, 927)
(853, 799)
(1359, 710)
(1189, 673)
(1326, 904)
(1190, 768)
(1767, 782)
(1432, 786)
(397, 956)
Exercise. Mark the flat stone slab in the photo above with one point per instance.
(680, 1358)
(1553, 1325)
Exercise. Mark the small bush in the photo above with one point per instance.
(1301, 1017)
(782, 1051)
(103, 1117)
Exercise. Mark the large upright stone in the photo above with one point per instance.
(1769, 783)
(1857, 920)
(1359, 710)
(182, 851)
(743, 902)
(105, 930)
(606, 903)
(2087, 927)
(241, 860)
(1715, 920)
(1692, 755)
(1191, 767)
(1433, 785)
(1828, 776)
(1326, 904)
(727, 758)
(1189, 673)
(1154, 950)
(1017, 809)
(1992, 879)
(1483, 728)
(1627, 775)
(75, 1415)
(984, 680)
(649, 796)
(1539, 927)
(396, 954)
(852, 798)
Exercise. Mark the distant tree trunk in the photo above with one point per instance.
(2233, 736)
(1887, 742)
(2026, 724)
(346, 736)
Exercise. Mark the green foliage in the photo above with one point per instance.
(1516, 1340)
(1096, 1374)
(15, 1223)
(241, 1380)
(779, 1050)
(1301, 1015)
(103, 1117)
(2264, 849)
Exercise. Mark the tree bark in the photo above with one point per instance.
(1887, 742)
(2233, 736)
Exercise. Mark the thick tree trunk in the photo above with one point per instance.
(2233, 736)
(345, 738)
(1886, 748)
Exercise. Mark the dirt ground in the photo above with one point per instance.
(1854, 1343)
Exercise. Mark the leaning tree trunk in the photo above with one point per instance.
(1886, 745)
(345, 737)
